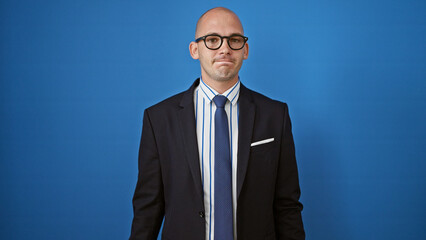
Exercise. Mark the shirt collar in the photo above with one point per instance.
(232, 93)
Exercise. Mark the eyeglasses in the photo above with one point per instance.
(214, 41)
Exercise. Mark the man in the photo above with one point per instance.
(217, 161)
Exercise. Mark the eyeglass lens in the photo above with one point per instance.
(214, 42)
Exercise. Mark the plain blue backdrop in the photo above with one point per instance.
(77, 75)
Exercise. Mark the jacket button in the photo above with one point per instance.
(201, 213)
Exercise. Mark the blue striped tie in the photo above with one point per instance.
(223, 227)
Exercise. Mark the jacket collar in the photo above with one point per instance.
(189, 135)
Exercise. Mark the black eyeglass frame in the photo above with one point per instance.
(221, 40)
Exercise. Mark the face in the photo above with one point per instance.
(224, 63)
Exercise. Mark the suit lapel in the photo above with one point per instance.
(188, 132)
(245, 131)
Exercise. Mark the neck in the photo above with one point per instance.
(220, 86)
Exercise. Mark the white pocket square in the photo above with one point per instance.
(262, 142)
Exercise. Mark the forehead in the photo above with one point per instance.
(221, 22)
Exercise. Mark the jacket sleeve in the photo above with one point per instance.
(287, 208)
(148, 199)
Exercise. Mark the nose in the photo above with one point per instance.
(225, 49)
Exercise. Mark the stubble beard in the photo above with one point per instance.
(223, 75)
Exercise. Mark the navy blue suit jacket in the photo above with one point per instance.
(169, 179)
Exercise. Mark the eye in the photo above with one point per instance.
(236, 39)
(212, 39)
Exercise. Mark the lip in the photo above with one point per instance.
(223, 60)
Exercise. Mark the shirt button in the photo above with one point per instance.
(201, 213)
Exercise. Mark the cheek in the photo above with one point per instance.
(206, 57)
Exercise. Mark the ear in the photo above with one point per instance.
(193, 50)
(246, 51)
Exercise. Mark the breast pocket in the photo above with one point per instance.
(263, 146)
(265, 155)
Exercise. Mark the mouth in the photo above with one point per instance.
(223, 61)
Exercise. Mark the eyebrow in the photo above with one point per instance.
(235, 33)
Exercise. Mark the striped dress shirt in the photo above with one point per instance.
(205, 109)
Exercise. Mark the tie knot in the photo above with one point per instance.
(220, 101)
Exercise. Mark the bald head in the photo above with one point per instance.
(212, 15)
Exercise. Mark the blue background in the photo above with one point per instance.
(77, 75)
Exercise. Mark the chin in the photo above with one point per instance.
(224, 76)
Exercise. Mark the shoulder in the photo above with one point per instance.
(269, 112)
(170, 102)
(175, 102)
(165, 107)
(263, 102)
